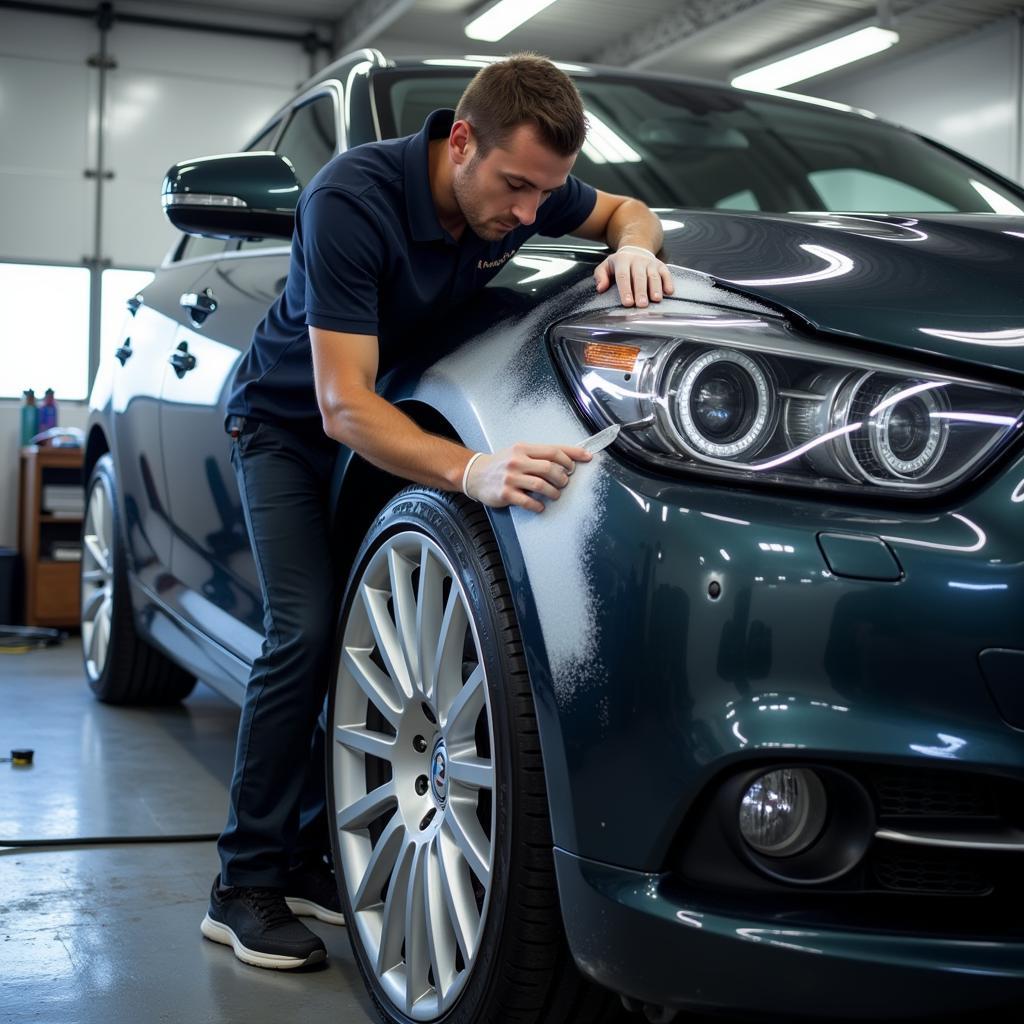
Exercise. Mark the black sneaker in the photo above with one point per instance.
(311, 891)
(258, 925)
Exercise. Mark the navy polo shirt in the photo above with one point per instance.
(369, 256)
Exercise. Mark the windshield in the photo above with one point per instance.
(675, 144)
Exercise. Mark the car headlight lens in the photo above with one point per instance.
(783, 812)
(722, 404)
(743, 395)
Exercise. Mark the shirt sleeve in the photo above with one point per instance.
(343, 253)
(566, 209)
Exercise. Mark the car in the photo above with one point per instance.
(736, 724)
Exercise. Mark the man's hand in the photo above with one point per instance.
(513, 475)
(639, 274)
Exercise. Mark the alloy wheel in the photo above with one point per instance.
(97, 580)
(414, 775)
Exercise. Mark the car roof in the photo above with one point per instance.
(440, 64)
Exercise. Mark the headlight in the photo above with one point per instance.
(737, 394)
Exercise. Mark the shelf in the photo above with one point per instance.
(60, 519)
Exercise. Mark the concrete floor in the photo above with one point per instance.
(111, 934)
(104, 935)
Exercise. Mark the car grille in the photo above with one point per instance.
(927, 794)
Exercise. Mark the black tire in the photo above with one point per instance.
(133, 672)
(523, 971)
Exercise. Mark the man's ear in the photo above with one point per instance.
(461, 143)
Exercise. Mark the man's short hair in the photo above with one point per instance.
(524, 89)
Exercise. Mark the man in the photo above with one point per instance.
(385, 234)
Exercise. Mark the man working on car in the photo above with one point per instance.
(386, 234)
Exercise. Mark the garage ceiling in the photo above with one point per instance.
(703, 38)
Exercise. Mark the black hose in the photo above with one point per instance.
(191, 837)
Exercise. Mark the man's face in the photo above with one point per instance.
(498, 192)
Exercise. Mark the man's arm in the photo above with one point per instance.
(345, 373)
(634, 232)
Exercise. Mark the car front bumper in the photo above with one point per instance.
(631, 933)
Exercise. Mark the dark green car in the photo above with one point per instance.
(737, 724)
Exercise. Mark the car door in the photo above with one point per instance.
(142, 347)
(215, 585)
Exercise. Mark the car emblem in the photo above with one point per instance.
(439, 775)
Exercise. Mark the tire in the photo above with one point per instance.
(485, 800)
(120, 667)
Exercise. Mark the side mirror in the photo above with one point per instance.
(241, 195)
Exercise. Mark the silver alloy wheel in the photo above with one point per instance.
(414, 775)
(97, 580)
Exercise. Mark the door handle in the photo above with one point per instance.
(182, 360)
(199, 305)
(123, 354)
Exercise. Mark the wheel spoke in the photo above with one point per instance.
(428, 616)
(368, 808)
(383, 859)
(91, 603)
(392, 932)
(94, 576)
(417, 952)
(92, 545)
(460, 718)
(448, 654)
(103, 631)
(457, 891)
(366, 741)
(470, 771)
(390, 647)
(378, 687)
(469, 838)
(403, 601)
(440, 933)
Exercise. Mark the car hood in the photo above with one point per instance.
(950, 285)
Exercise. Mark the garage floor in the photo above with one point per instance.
(111, 934)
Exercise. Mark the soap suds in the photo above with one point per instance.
(514, 398)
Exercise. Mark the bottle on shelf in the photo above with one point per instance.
(29, 417)
(48, 411)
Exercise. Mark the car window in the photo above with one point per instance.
(265, 139)
(199, 245)
(850, 188)
(683, 144)
(311, 138)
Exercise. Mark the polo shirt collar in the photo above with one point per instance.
(419, 201)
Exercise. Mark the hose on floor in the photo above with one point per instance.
(189, 837)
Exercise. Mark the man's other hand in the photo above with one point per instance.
(638, 273)
(513, 476)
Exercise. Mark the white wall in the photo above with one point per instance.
(174, 94)
(965, 93)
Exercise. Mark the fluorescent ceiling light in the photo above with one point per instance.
(819, 59)
(497, 21)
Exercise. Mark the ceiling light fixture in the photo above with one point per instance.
(847, 48)
(497, 21)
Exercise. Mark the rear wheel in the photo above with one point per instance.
(120, 666)
(435, 775)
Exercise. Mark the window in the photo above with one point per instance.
(311, 137)
(849, 188)
(195, 246)
(117, 287)
(44, 341)
(265, 140)
(680, 144)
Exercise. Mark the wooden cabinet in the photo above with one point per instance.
(49, 530)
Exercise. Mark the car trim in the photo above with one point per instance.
(1004, 840)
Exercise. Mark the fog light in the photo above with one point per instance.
(783, 812)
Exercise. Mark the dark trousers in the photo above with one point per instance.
(277, 817)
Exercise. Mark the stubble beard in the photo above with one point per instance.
(464, 187)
